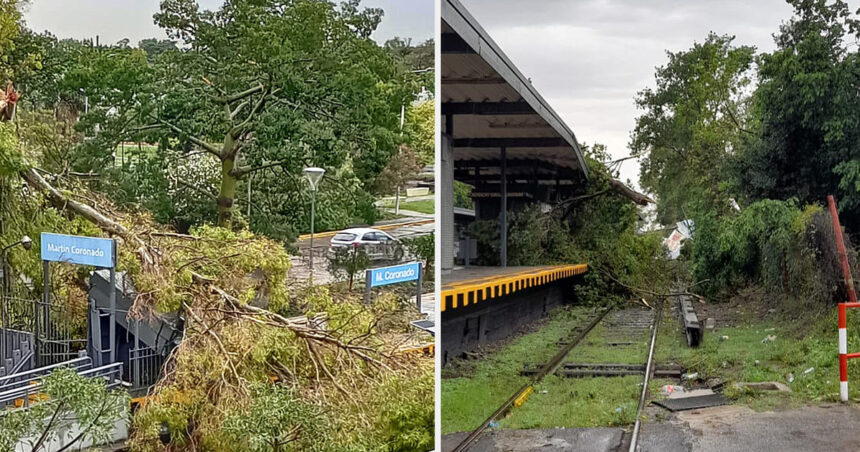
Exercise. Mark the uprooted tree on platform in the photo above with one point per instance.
(598, 226)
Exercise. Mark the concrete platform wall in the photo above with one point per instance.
(466, 328)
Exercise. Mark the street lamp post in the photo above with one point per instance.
(314, 175)
(27, 244)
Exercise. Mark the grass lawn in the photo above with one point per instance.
(424, 206)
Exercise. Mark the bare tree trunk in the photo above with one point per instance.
(397, 201)
(227, 194)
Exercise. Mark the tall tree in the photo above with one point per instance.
(693, 119)
(256, 85)
(10, 26)
(808, 112)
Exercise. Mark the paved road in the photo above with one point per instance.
(414, 225)
(831, 427)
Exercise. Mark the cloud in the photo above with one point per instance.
(589, 58)
(114, 20)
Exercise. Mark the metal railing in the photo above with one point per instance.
(21, 389)
(144, 366)
(58, 331)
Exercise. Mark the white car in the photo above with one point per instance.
(378, 245)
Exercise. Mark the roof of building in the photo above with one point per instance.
(493, 105)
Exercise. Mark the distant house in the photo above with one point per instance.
(683, 230)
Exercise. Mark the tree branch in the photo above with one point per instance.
(244, 170)
(62, 202)
(208, 147)
(625, 191)
(239, 96)
(238, 129)
(48, 427)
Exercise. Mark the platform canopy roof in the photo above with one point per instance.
(489, 104)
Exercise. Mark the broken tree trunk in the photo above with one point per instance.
(62, 202)
(625, 191)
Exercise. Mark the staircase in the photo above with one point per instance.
(141, 345)
(17, 355)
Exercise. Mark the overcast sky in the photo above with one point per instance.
(114, 20)
(588, 58)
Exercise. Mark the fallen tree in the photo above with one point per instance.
(344, 369)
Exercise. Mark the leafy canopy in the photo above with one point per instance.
(692, 120)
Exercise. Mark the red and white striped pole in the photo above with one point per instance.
(844, 356)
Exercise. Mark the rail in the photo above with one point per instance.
(521, 394)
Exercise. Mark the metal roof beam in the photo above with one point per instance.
(452, 43)
(487, 108)
(473, 81)
(529, 142)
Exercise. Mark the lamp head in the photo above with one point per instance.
(26, 242)
(314, 174)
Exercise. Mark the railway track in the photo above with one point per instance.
(623, 328)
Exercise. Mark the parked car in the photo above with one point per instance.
(377, 244)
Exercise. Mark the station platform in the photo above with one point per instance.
(471, 285)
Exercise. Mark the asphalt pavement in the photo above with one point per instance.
(734, 428)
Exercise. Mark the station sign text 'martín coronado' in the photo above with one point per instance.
(74, 249)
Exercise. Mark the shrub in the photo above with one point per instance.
(344, 263)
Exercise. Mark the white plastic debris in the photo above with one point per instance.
(808, 371)
(769, 338)
(667, 390)
(691, 376)
(790, 377)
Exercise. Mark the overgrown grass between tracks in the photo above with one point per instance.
(474, 394)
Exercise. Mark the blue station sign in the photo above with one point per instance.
(80, 250)
(393, 275)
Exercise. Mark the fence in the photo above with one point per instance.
(58, 331)
(21, 389)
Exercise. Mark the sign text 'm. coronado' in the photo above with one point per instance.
(395, 274)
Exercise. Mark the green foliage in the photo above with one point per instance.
(217, 253)
(806, 139)
(424, 248)
(463, 195)
(420, 130)
(10, 155)
(752, 245)
(347, 262)
(772, 244)
(691, 123)
(10, 26)
(405, 423)
(415, 58)
(276, 419)
(75, 400)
